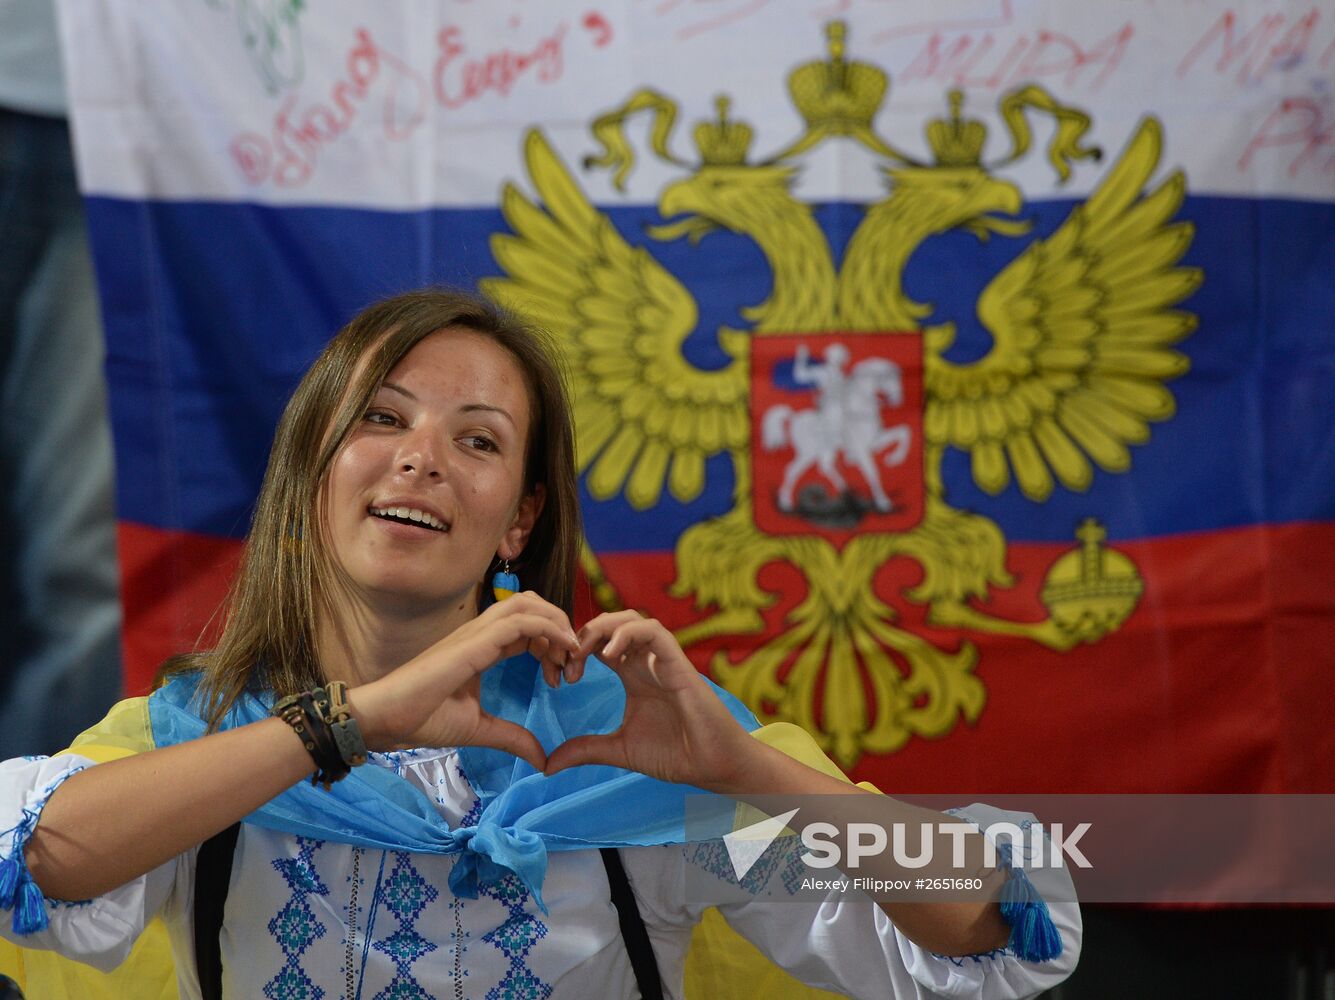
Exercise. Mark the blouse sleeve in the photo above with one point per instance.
(846, 943)
(98, 931)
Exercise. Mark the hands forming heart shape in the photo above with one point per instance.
(675, 728)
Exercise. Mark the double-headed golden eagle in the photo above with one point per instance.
(1083, 329)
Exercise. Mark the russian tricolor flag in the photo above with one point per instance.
(257, 173)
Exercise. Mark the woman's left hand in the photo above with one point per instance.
(675, 727)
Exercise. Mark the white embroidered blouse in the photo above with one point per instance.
(310, 920)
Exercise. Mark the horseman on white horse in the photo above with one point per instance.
(846, 421)
(830, 382)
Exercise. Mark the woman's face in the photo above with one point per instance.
(427, 487)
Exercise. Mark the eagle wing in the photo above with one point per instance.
(1083, 327)
(643, 413)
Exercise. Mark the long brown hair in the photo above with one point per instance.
(286, 576)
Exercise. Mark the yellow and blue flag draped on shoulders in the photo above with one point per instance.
(524, 814)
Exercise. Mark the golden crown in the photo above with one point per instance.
(837, 95)
(957, 142)
(723, 143)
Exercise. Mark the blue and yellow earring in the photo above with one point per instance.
(504, 584)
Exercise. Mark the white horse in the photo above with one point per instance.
(857, 435)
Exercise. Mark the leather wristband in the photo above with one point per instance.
(332, 766)
(347, 734)
(305, 713)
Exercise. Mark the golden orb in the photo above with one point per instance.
(1092, 589)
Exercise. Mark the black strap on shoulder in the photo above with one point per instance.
(213, 874)
(633, 930)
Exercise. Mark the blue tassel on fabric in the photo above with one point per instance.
(504, 584)
(1034, 937)
(10, 878)
(30, 913)
(18, 892)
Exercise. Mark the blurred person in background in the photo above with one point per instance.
(60, 629)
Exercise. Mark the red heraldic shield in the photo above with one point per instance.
(836, 433)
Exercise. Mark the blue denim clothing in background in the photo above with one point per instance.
(59, 609)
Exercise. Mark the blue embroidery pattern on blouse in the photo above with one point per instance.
(406, 895)
(68, 904)
(515, 938)
(712, 856)
(977, 959)
(395, 760)
(474, 813)
(796, 869)
(295, 926)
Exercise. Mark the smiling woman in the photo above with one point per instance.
(430, 375)
(459, 846)
(429, 489)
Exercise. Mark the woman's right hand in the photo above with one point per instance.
(433, 699)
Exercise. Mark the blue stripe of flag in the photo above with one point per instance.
(213, 310)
